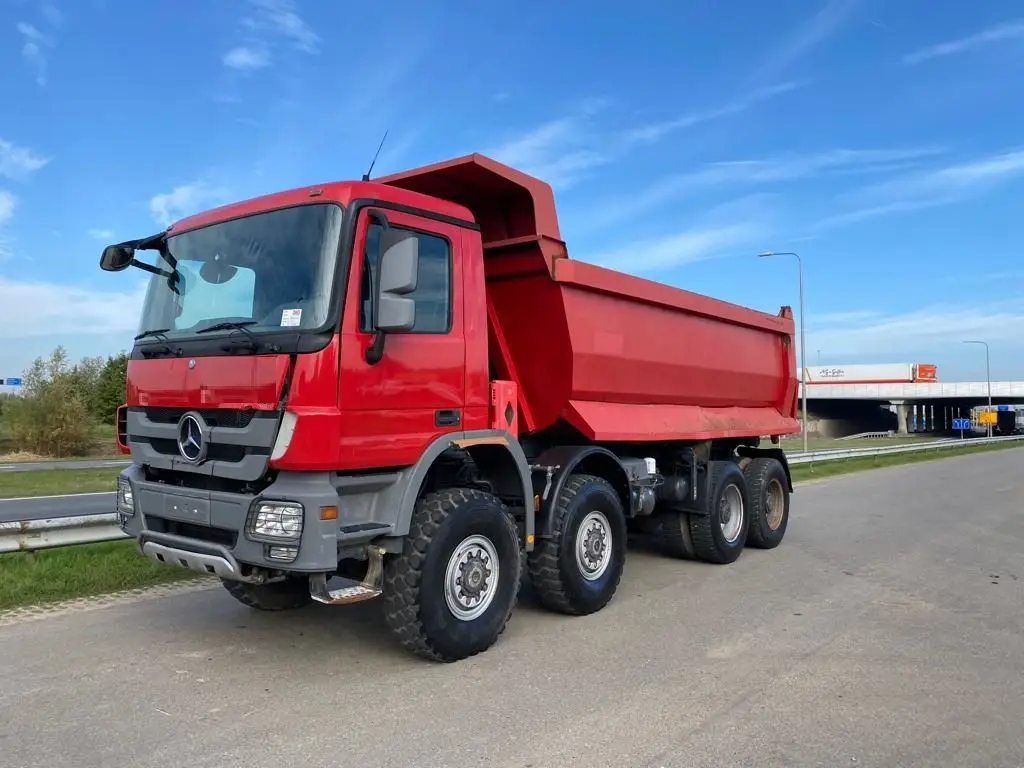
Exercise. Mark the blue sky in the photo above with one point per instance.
(880, 139)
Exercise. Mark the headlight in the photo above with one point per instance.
(278, 520)
(125, 498)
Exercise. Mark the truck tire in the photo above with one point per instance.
(674, 534)
(285, 595)
(768, 489)
(455, 534)
(577, 570)
(719, 536)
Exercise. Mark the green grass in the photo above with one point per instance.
(53, 482)
(85, 570)
(103, 446)
(845, 466)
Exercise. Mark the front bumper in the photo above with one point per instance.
(206, 531)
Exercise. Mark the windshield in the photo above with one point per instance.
(268, 271)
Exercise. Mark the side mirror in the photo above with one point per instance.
(398, 275)
(116, 258)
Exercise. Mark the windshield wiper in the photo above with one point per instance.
(158, 332)
(235, 325)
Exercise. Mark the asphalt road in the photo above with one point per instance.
(47, 507)
(888, 630)
(27, 466)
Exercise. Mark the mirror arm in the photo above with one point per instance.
(150, 268)
(375, 351)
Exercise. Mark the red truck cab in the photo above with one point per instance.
(410, 378)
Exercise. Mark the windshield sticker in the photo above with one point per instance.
(291, 317)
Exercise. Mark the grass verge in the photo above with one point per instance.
(845, 466)
(53, 482)
(85, 570)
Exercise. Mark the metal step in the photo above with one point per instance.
(353, 591)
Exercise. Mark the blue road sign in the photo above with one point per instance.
(1002, 407)
(961, 424)
(14, 382)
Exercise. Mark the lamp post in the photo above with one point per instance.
(988, 377)
(803, 345)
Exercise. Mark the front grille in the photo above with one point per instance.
(215, 417)
(205, 533)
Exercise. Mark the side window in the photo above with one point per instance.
(433, 289)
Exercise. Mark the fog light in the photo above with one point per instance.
(283, 554)
(279, 520)
(125, 498)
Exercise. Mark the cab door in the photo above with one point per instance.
(394, 407)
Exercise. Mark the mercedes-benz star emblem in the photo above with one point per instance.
(191, 438)
(191, 363)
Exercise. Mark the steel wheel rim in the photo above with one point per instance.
(730, 513)
(593, 546)
(471, 578)
(775, 505)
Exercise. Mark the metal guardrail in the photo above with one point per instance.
(84, 529)
(835, 454)
(58, 532)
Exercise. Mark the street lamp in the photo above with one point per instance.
(803, 345)
(988, 377)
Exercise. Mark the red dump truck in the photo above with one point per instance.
(399, 388)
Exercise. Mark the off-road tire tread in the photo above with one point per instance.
(675, 535)
(275, 596)
(402, 574)
(542, 563)
(705, 547)
(756, 472)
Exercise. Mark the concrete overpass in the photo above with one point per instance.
(836, 409)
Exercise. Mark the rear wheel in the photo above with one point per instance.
(720, 535)
(451, 591)
(577, 570)
(768, 489)
(292, 592)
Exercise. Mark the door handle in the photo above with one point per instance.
(447, 417)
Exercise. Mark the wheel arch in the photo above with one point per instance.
(565, 460)
(499, 459)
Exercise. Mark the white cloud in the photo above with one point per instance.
(101, 234)
(34, 49)
(559, 151)
(648, 134)
(678, 248)
(40, 308)
(246, 58)
(917, 331)
(1012, 30)
(811, 33)
(274, 21)
(784, 168)
(927, 189)
(184, 200)
(7, 203)
(18, 163)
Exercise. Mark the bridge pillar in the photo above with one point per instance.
(902, 413)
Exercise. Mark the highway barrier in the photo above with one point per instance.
(32, 534)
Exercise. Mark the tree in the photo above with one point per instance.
(52, 416)
(110, 388)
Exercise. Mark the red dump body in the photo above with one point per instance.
(616, 356)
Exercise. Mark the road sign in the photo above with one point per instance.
(1003, 408)
(14, 382)
(961, 424)
(988, 417)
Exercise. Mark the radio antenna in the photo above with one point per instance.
(366, 176)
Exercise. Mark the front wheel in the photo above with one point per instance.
(577, 570)
(451, 591)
